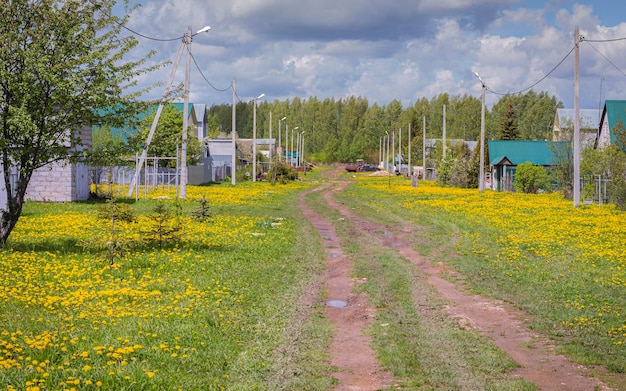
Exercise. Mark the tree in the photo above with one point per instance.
(609, 163)
(167, 137)
(530, 178)
(59, 62)
(508, 130)
(563, 170)
(108, 149)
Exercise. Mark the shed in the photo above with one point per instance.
(219, 159)
(506, 155)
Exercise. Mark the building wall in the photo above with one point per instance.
(59, 182)
(605, 135)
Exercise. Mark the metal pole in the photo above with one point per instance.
(393, 150)
(424, 147)
(233, 133)
(444, 131)
(270, 138)
(280, 158)
(400, 150)
(254, 141)
(410, 171)
(291, 160)
(387, 149)
(303, 162)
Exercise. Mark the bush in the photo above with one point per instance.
(282, 172)
(531, 179)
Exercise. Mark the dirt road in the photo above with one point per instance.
(351, 349)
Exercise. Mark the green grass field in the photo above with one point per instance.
(215, 307)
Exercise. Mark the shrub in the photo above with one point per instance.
(282, 172)
(530, 178)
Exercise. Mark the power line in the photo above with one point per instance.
(603, 40)
(605, 57)
(151, 38)
(205, 79)
(540, 80)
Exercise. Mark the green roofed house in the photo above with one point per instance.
(612, 124)
(506, 155)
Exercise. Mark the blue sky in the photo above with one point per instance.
(384, 50)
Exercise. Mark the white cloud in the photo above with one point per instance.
(404, 50)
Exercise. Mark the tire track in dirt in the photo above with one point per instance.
(350, 349)
(503, 324)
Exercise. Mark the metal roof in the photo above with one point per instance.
(521, 151)
(220, 147)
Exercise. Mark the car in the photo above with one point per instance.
(369, 167)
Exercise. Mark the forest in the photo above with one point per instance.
(343, 130)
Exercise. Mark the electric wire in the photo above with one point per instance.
(604, 40)
(204, 77)
(605, 57)
(152, 38)
(540, 80)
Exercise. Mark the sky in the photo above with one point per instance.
(385, 50)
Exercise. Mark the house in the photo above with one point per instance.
(506, 155)
(612, 124)
(563, 128)
(218, 163)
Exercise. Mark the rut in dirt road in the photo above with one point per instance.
(501, 323)
(350, 349)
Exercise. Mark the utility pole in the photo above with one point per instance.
(233, 161)
(409, 148)
(576, 143)
(270, 138)
(183, 148)
(444, 131)
(424, 148)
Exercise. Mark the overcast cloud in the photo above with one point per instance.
(384, 50)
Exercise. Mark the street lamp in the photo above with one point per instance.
(302, 163)
(481, 172)
(291, 158)
(386, 165)
(279, 146)
(300, 147)
(254, 137)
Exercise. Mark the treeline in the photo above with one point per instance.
(343, 130)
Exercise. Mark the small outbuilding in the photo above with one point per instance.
(506, 155)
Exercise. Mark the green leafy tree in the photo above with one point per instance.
(609, 163)
(109, 149)
(530, 178)
(167, 137)
(59, 62)
(563, 171)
